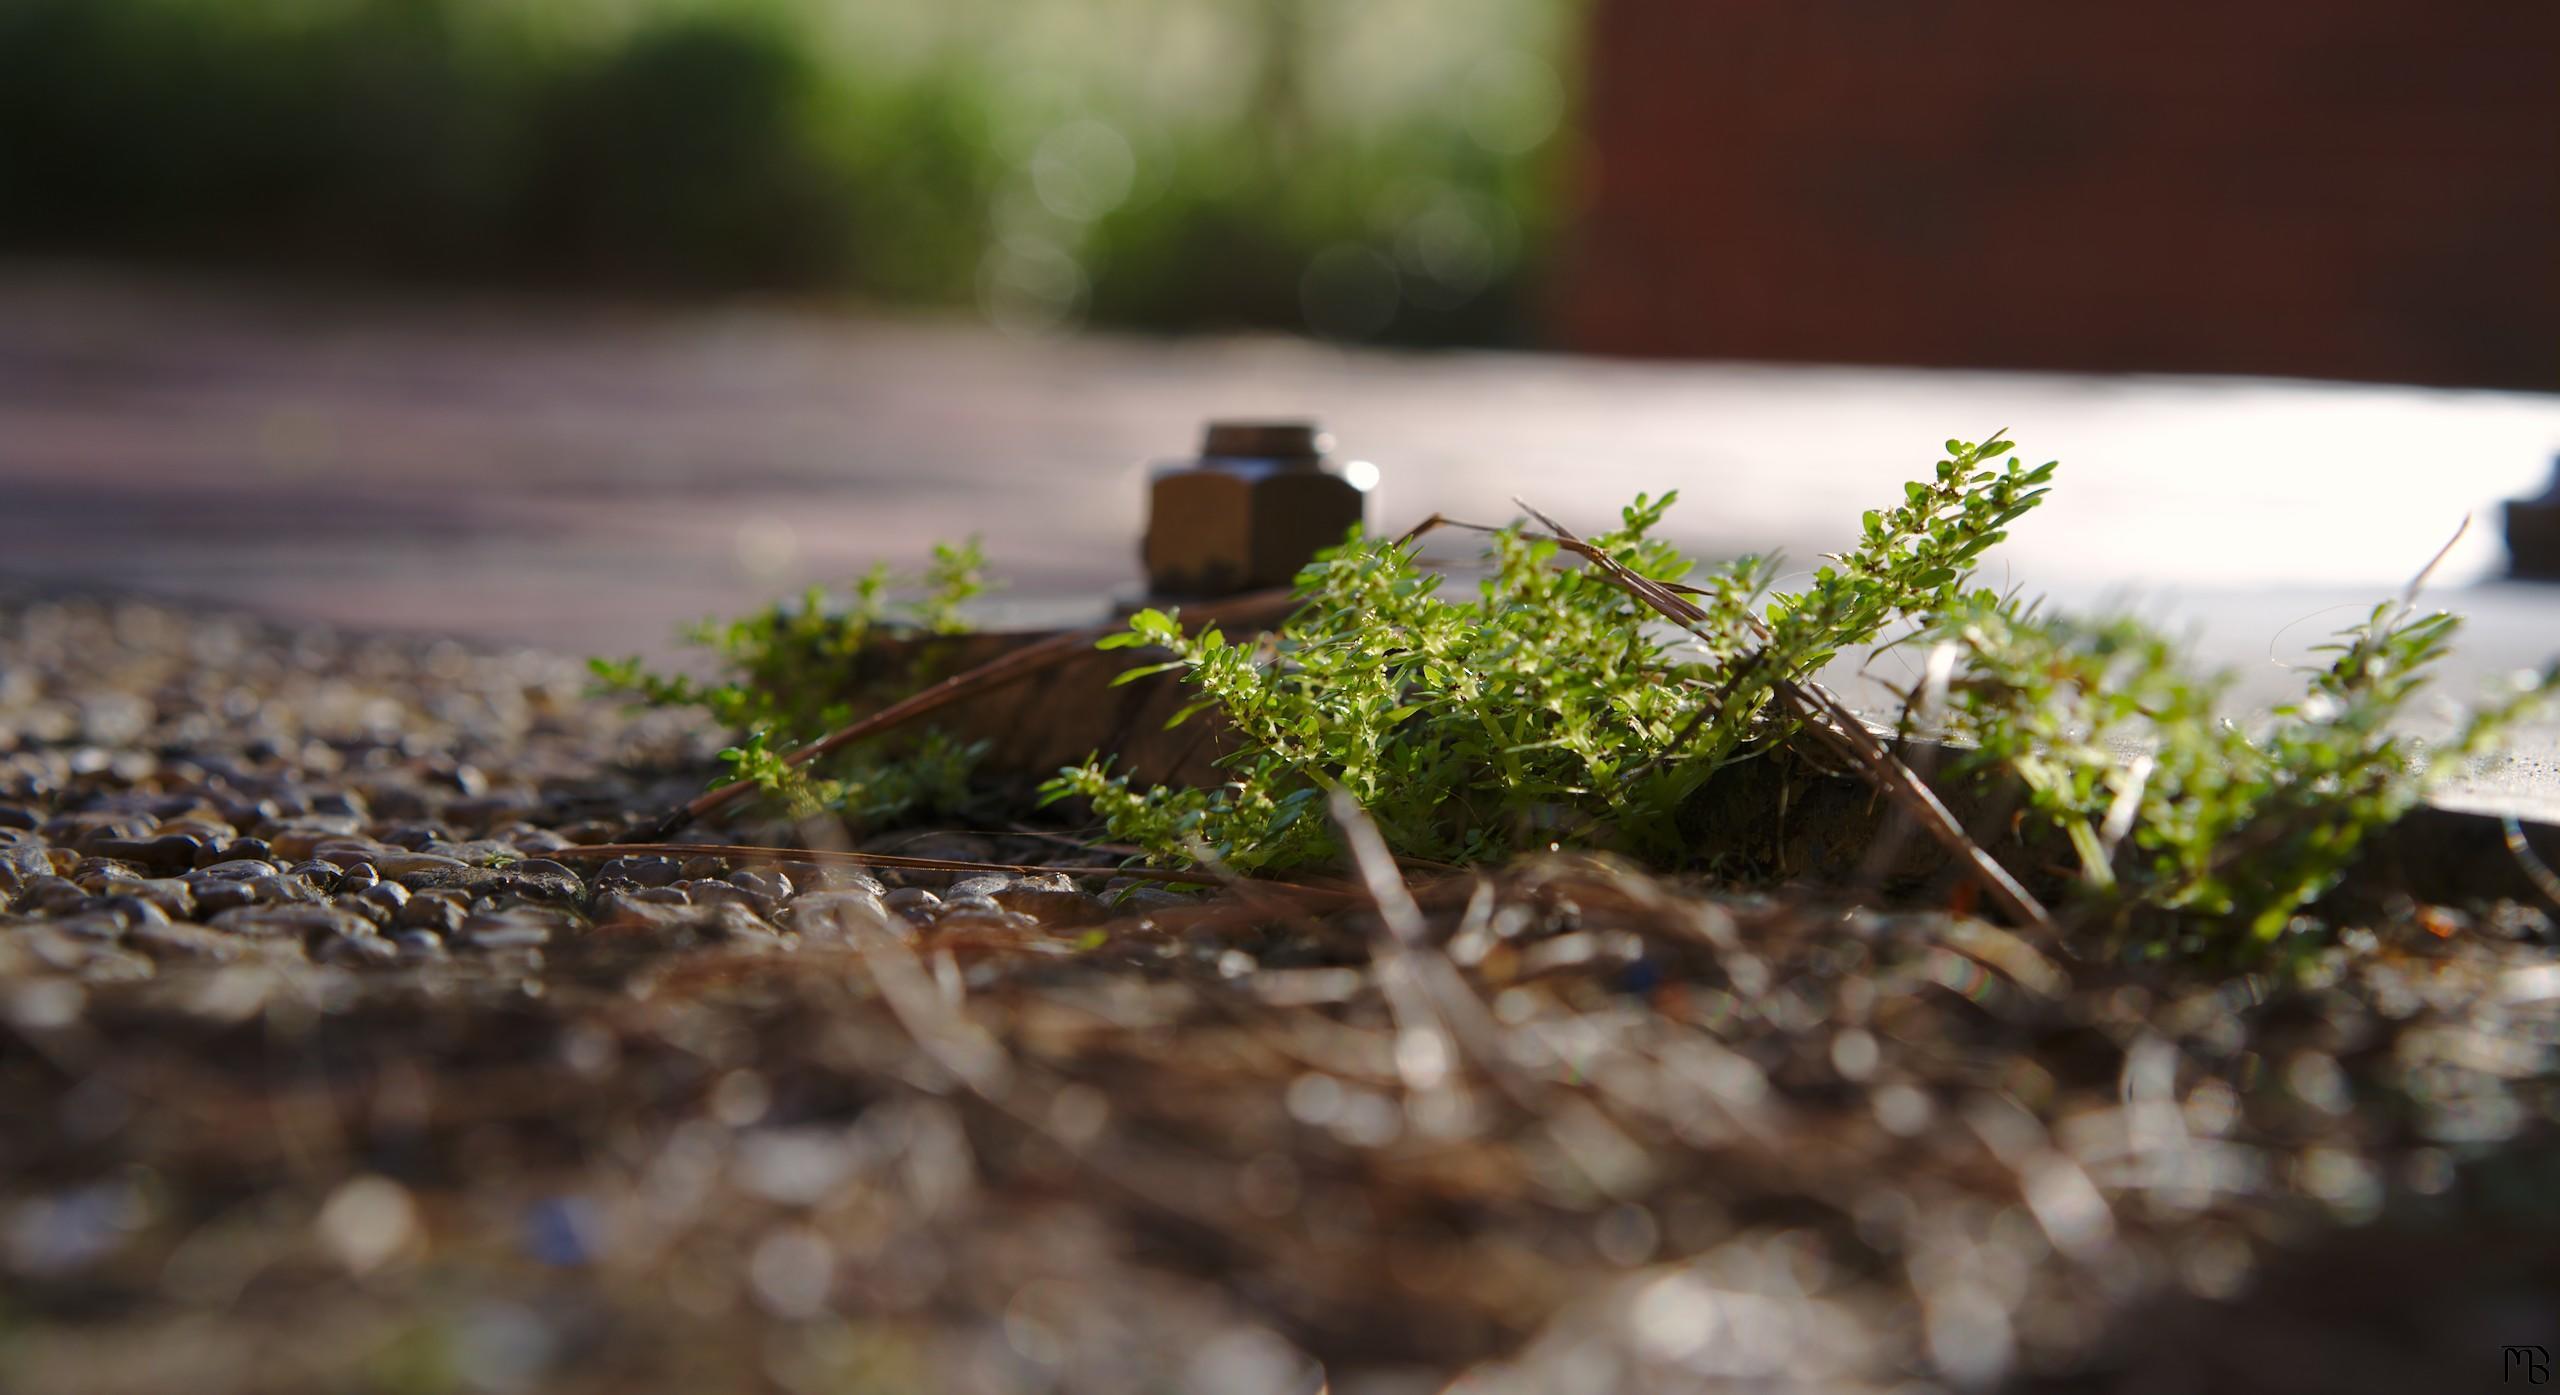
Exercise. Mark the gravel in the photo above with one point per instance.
(331, 1064)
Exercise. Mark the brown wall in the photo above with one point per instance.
(2345, 188)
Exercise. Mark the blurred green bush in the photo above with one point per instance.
(1363, 168)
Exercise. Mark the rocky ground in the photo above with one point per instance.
(331, 1063)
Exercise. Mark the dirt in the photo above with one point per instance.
(722, 1124)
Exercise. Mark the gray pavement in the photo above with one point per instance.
(585, 477)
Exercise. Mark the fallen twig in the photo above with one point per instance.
(1033, 658)
(2528, 861)
(1822, 714)
(890, 860)
(1036, 657)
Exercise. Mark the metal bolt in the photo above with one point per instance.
(1258, 503)
(1264, 440)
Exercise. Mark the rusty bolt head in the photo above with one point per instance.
(1257, 504)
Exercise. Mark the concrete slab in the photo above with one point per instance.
(588, 476)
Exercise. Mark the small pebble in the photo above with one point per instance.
(173, 852)
(838, 914)
(639, 871)
(442, 914)
(99, 877)
(365, 949)
(281, 888)
(843, 879)
(198, 943)
(307, 923)
(1051, 899)
(505, 930)
(416, 835)
(170, 894)
(978, 913)
(401, 866)
(913, 902)
(98, 924)
(134, 910)
(52, 895)
(213, 898)
(710, 893)
(238, 850)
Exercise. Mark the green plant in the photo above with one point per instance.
(1548, 709)
(928, 773)
(1555, 709)
(795, 670)
(1554, 706)
(2169, 803)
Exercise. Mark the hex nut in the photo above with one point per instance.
(1259, 502)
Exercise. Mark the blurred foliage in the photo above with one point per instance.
(1374, 170)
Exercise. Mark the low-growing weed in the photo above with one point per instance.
(1549, 706)
(795, 670)
(1545, 710)
(1549, 710)
(2170, 804)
